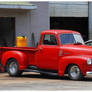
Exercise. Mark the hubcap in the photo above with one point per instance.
(13, 67)
(74, 71)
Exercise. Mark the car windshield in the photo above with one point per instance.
(70, 38)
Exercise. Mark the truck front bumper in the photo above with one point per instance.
(88, 73)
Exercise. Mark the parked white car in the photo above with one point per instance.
(89, 42)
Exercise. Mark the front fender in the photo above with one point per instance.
(18, 55)
(78, 60)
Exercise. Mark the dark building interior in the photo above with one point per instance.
(7, 31)
(79, 24)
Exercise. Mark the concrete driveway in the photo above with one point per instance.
(34, 81)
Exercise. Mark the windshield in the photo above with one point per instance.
(70, 38)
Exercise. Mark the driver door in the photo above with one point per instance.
(49, 53)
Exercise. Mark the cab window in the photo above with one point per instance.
(49, 39)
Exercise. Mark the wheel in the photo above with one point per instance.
(13, 68)
(74, 72)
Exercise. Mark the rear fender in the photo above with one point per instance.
(18, 55)
(77, 60)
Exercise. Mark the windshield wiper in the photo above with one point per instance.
(78, 43)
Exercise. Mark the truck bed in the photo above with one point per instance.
(28, 51)
(19, 48)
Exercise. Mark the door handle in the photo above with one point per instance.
(40, 48)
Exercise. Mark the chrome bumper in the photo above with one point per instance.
(88, 73)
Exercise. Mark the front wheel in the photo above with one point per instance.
(13, 68)
(74, 72)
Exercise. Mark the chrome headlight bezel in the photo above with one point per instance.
(89, 61)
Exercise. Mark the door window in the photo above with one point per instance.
(49, 40)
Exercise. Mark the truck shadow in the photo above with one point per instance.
(44, 76)
(86, 79)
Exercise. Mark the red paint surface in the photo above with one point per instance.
(50, 57)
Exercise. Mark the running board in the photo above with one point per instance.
(40, 71)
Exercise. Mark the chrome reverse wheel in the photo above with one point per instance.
(13, 68)
(74, 72)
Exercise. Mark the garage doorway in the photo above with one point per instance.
(7, 31)
(79, 24)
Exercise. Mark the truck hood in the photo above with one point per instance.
(77, 49)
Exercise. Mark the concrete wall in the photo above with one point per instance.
(29, 21)
(39, 19)
(68, 9)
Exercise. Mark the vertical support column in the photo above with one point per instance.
(90, 19)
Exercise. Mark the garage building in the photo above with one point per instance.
(71, 16)
(22, 19)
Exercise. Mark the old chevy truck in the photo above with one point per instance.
(59, 52)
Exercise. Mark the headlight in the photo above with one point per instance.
(89, 62)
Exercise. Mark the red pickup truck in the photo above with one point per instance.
(59, 52)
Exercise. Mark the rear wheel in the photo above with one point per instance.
(74, 72)
(13, 68)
